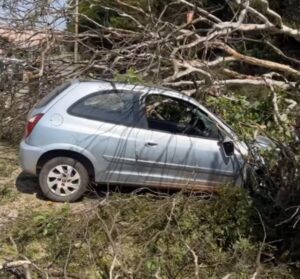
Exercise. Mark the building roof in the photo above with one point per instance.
(27, 38)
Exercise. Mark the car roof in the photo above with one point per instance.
(139, 88)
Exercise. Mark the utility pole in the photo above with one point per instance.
(76, 31)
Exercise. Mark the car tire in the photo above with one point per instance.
(63, 179)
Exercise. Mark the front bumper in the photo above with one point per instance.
(29, 156)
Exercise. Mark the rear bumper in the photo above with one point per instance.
(29, 156)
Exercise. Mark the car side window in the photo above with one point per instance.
(178, 116)
(108, 106)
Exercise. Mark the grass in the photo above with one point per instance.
(143, 236)
(135, 236)
(7, 194)
(7, 166)
(7, 189)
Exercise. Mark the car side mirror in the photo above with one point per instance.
(228, 147)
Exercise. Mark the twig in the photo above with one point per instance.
(16, 264)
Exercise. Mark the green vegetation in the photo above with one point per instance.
(6, 167)
(7, 193)
(92, 13)
(131, 76)
(251, 111)
(146, 235)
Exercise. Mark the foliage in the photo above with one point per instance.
(250, 112)
(146, 235)
(288, 8)
(131, 76)
(277, 185)
(91, 10)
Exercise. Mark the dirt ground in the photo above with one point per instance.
(20, 192)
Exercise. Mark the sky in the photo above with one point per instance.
(56, 5)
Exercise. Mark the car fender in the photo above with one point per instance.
(70, 147)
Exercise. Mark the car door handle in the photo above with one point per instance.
(151, 143)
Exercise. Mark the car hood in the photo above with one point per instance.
(264, 143)
(261, 142)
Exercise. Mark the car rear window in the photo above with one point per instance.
(108, 106)
(52, 95)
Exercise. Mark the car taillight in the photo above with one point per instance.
(31, 124)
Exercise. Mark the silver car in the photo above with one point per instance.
(105, 132)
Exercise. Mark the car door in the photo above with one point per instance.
(172, 153)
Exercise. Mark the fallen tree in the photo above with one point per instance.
(203, 48)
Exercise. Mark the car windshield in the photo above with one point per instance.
(228, 126)
(231, 130)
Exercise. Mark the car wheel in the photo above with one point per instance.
(63, 179)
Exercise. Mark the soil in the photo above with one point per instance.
(20, 192)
